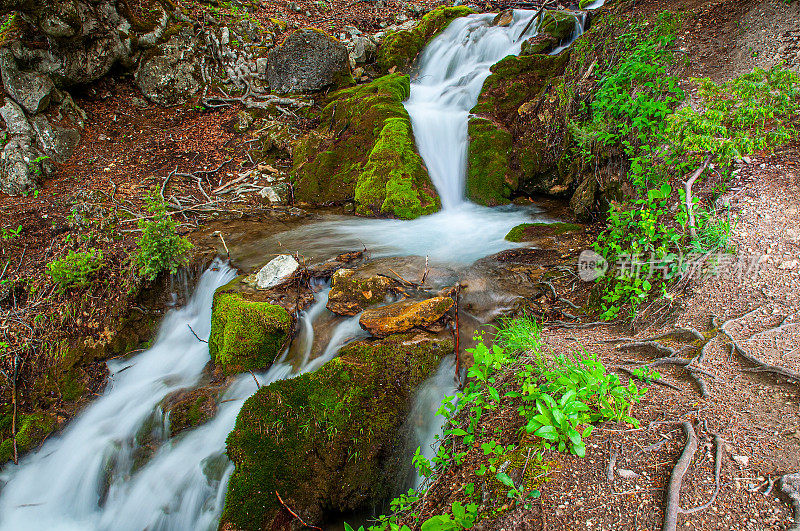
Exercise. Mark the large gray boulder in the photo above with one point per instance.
(308, 61)
(171, 75)
(21, 163)
(57, 142)
(31, 90)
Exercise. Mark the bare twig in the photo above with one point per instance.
(195, 334)
(295, 514)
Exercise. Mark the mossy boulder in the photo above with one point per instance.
(556, 27)
(364, 151)
(190, 408)
(326, 441)
(528, 231)
(246, 335)
(353, 291)
(399, 49)
(404, 315)
(490, 180)
(31, 431)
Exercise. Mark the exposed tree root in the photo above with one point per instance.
(717, 470)
(761, 366)
(676, 479)
(659, 381)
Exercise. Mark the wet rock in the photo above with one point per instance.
(543, 234)
(583, 200)
(31, 90)
(327, 268)
(31, 431)
(171, 75)
(361, 50)
(276, 272)
(57, 142)
(504, 18)
(353, 291)
(246, 334)
(556, 27)
(190, 408)
(327, 440)
(308, 61)
(399, 48)
(405, 315)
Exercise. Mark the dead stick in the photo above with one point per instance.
(294, 513)
(676, 479)
(258, 385)
(195, 334)
(687, 187)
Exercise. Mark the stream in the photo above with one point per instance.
(113, 467)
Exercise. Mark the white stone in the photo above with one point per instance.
(743, 460)
(277, 271)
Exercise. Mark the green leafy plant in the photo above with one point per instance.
(76, 269)
(7, 233)
(160, 248)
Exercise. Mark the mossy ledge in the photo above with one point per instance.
(246, 335)
(31, 431)
(326, 440)
(532, 231)
(364, 151)
(400, 48)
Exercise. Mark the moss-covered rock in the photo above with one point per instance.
(556, 27)
(352, 291)
(31, 431)
(364, 151)
(189, 409)
(399, 49)
(246, 335)
(326, 440)
(528, 232)
(489, 176)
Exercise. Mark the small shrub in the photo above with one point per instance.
(160, 247)
(76, 269)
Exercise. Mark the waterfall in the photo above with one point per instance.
(446, 85)
(94, 475)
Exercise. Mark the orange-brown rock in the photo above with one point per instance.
(404, 315)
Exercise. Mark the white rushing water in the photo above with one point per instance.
(112, 467)
(93, 475)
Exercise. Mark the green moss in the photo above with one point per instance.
(394, 178)
(364, 151)
(31, 431)
(196, 409)
(399, 49)
(246, 335)
(489, 179)
(323, 440)
(72, 385)
(556, 27)
(529, 231)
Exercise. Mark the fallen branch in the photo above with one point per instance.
(676, 479)
(294, 513)
(195, 334)
(687, 187)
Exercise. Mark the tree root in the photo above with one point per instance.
(659, 381)
(761, 366)
(717, 470)
(676, 479)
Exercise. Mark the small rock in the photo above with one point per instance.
(504, 18)
(276, 194)
(277, 271)
(742, 460)
(405, 315)
(789, 265)
(627, 474)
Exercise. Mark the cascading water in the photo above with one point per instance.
(90, 477)
(97, 475)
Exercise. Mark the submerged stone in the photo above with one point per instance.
(246, 335)
(328, 440)
(528, 232)
(404, 315)
(352, 291)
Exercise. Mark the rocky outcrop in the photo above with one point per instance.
(364, 152)
(308, 61)
(399, 49)
(170, 74)
(246, 334)
(353, 291)
(405, 315)
(22, 163)
(326, 441)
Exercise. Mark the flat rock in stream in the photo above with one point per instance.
(404, 315)
(352, 291)
(276, 272)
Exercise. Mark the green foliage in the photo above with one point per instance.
(749, 113)
(8, 234)
(160, 247)
(76, 269)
